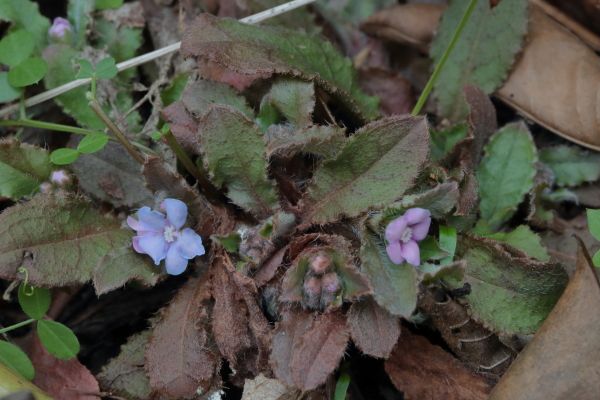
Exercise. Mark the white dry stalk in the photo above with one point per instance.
(144, 58)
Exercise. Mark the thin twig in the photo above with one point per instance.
(95, 106)
(144, 58)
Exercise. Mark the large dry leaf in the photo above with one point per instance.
(424, 371)
(263, 388)
(563, 360)
(308, 347)
(179, 357)
(65, 380)
(373, 329)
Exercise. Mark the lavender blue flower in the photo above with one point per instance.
(60, 27)
(403, 233)
(162, 238)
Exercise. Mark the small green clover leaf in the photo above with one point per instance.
(14, 358)
(64, 156)
(105, 69)
(58, 339)
(92, 143)
(593, 219)
(36, 303)
(28, 72)
(16, 47)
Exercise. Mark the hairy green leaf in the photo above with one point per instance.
(320, 140)
(506, 173)
(26, 14)
(7, 92)
(64, 156)
(524, 239)
(16, 47)
(79, 13)
(63, 240)
(23, 168)
(199, 95)
(293, 99)
(571, 166)
(255, 50)
(483, 54)
(28, 72)
(58, 339)
(394, 286)
(234, 153)
(35, 303)
(113, 176)
(14, 358)
(375, 167)
(509, 293)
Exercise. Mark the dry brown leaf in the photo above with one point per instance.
(373, 329)
(308, 347)
(263, 388)
(240, 329)
(180, 360)
(407, 23)
(563, 359)
(394, 91)
(64, 380)
(423, 371)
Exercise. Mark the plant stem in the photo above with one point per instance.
(438, 68)
(16, 326)
(95, 106)
(197, 172)
(63, 128)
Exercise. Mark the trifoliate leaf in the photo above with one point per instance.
(483, 54)
(506, 173)
(25, 14)
(394, 286)
(234, 153)
(35, 302)
(375, 167)
(524, 239)
(86, 69)
(106, 68)
(23, 168)
(16, 359)
(30, 71)
(571, 166)
(509, 293)
(64, 156)
(92, 143)
(64, 240)
(79, 13)
(16, 47)
(58, 339)
(7, 92)
(261, 50)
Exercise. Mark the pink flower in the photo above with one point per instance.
(162, 238)
(60, 27)
(60, 177)
(403, 233)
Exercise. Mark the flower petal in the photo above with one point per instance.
(152, 244)
(176, 211)
(411, 252)
(394, 230)
(416, 215)
(189, 244)
(394, 251)
(175, 263)
(419, 231)
(150, 221)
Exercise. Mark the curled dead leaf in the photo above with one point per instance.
(562, 360)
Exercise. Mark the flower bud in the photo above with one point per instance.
(60, 29)
(320, 263)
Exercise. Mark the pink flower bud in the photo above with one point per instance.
(59, 29)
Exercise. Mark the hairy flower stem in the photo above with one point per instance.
(197, 172)
(16, 326)
(31, 123)
(438, 68)
(95, 106)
